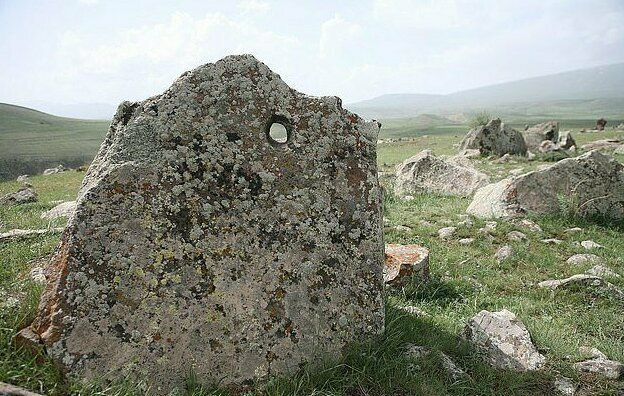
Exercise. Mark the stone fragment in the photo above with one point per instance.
(584, 258)
(589, 245)
(202, 241)
(516, 172)
(490, 225)
(573, 230)
(591, 352)
(494, 138)
(516, 236)
(466, 241)
(552, 241)
(583, 280)
(17, 234)
(565, 386)
(37, 274)
(470, 153)
(413, 310)
(607, 145)
(447, 232)
(505, 340)
(603, 272)
(65, 209)
(22, 196)
(588, 185)
(405, 261)
(544, 132)
(12, 390)
(22, 179)
(428, 173)
(51, 171)
(402, 228)
(503, 254)
(610, 369)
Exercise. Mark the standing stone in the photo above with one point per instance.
(535, 135)
(494, 138)
(201, 243)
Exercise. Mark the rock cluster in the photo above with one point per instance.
(202, 243)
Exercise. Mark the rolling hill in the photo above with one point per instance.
(586, 93)
(31, 141)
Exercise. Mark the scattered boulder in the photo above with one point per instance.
(610, 369)
(604, 145)
(516, 236)
(426, 172)
(535, 135)
(202, 242)
(446, 232)
(589, 245)
(22, 179)
(503, 254)
(51, 171)
(22, 196)
(403, 262)
(566, 141)
(602, 271)
(565, 386)
(584, 258)
(592, 184)
(582, 280)
(494, 138)
(505, 340)
(65, 209)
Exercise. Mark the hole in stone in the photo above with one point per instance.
(278, 133)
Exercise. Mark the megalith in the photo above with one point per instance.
(203, 244)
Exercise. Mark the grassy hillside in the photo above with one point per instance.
(464, 280)
(587, 93)
(31, 141)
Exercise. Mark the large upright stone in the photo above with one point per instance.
(535, 135)
(494, 138)
(202, 244)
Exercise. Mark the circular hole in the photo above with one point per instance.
(278, 133)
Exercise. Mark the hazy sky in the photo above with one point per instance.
(86, 51)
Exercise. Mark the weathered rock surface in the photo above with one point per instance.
(592, 184)
(22, 196)
(589, 245)
(565, 386)
(584, 258)
(503, 253)
(604, 145)
(604, 367)
(535, 135)
(12, 390)
(404, 261)
(566, 141)
(516, 236)
(426, 172)
(584, 280)
(446, 232)
(602, 271)
(505, 340)
(202, 243)
(65, 209)
(494, 138)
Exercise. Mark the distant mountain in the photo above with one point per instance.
(573, 91)
(87, 111)
(31, 140)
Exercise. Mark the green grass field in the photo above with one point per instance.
(465, 279)
(31, 141)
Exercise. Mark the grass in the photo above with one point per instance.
(465, 279)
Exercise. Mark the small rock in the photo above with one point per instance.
(446, 232)
(584, 280)
(38, 275)
(12, 390)
(490, 225)
(565, 386)
(573, 230)
(516, 172)
(51, 171)
(516, 236)
(17, 234)
(413, 310)
(603, 272)
(505, 340)
(466, 241)
(65, 209)
(505, 158)
(453, 371)
(425, 223)
(22, 178)
(408, 198)
(530, 225)
(466, 223)
(530, 156)
(585, 258)
(404, 261)
(22, 196)
(417, 351)
(591, 245)
(486, 235)
(552, 241)
(503, 253)
(604, 367)
(402, 228)
(591, 353)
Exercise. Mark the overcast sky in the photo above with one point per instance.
(106, 51)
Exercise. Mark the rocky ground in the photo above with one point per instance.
(525, 307)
